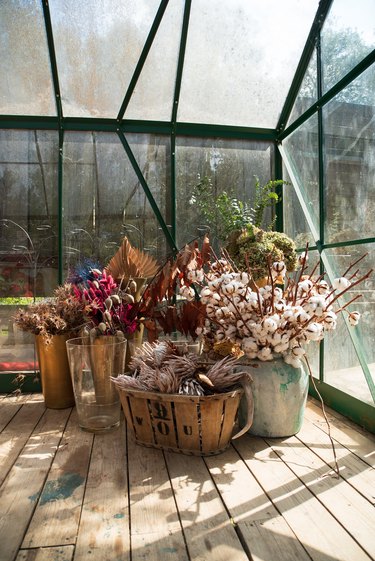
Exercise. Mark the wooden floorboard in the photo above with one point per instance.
(69, 495)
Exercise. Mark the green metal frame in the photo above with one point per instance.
(142, 58)
(358, 411)
(176, 99)
(323, 9)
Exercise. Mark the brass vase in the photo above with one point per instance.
(54, 371)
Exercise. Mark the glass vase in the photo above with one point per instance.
(92, 364)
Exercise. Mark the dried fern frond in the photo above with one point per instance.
(129, 262)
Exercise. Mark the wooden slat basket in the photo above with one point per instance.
(196, 425)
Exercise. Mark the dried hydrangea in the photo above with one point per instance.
(62, 313)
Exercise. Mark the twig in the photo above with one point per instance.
(336, 467)
(354, 263)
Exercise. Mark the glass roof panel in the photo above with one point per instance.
(26, 84)
(308, 92)
(239, 64)
(98, 45)
(347, 37)
(153, 95)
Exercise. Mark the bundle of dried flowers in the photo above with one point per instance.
(263, 323)
(159, 308)
(161, 367)
(109, 309)
(62, 313)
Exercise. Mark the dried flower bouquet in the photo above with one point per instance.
(274, 320)
(162, 367)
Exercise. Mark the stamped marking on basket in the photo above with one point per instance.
(188, 430)
(161, 412)
(139, 420)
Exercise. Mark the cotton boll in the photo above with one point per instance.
(341, 283)
(249, 344)
(302, 317)
(293, 361)
(242, 278)
(305, 285)
(329, 318)
(280, 306)
(281, 347)
(303, 257)
(313, 331)
(297, 351)
(219, 335)
(265, 354)
(206, 292)
(316, 305)
(354, 318)
(277, 294)
(187, 292)
(270, 325)
(322, 287)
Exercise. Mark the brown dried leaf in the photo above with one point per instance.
(129, 262)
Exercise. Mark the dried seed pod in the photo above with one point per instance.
(132, 286)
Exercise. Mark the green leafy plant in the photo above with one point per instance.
(225, 213)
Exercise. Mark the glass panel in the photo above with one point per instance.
(295, 223)
(229, 164)
(28, 234)
(308, 92)
(25, 85)
(301, 151)
(350, 163)
(347, 37)
(153, 95)
(342, 367)
(103, 199)
(238, 69)
(113, 34)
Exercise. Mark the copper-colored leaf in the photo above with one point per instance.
(129, 262)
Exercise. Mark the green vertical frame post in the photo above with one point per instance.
(56, 87)
(60, 209)
(279, 191)
(321, 179)
(176, 99)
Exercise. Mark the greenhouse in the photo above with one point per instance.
(173, 133)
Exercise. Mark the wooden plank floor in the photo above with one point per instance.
(70, 495)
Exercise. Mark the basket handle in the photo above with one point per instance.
(246, 379)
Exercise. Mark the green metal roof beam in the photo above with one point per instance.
(147, 191)
(345, 81)
(142, 58)
(52, 56)
(130, 125)
(321, 14)
(181, 58)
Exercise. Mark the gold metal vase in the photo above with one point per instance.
(54, 371)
